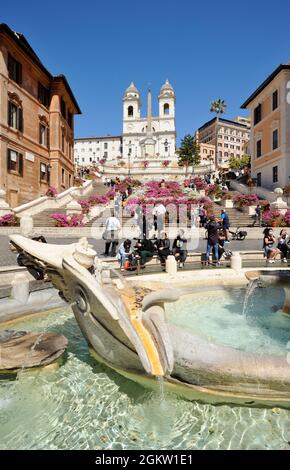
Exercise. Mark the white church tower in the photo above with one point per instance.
(131, 106)
(160, 130)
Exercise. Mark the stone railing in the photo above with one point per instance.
(154, 169)
(262, 193)
(44, 202)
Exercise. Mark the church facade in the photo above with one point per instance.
(143, 138)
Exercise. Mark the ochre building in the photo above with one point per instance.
(36, 123)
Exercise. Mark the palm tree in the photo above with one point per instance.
(218, 107)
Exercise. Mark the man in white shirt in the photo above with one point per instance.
(159, 212)
(111, 234)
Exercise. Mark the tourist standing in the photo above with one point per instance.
(159, 212)
(212, 239)
(225, 222)
(111, 234)
(257, 215)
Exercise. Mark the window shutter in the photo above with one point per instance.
(19, 81)
(47, 137)
(20, 119)
(8, 160)
(39, 133)
(20, 164)
(9, 113)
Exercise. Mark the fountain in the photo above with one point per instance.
(273, 278)
(140, 343)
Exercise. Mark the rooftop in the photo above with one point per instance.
(20, 40)
(265, 83)
(225, 121)
(106, 137)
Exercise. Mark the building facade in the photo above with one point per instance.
(270, 136)
(131, 145)
(36, 123)
(89, 151)
(228, 137)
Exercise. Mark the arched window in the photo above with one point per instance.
(130, 110)
(166, 108)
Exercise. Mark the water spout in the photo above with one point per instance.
(248, 296)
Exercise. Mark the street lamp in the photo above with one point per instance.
(129, 158)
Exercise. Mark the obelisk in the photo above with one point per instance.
(149, 113)
(148, 143)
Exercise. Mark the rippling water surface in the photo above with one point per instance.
(83, 405)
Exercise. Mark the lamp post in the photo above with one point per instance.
(129, 158)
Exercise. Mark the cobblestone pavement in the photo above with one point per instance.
(7, 258)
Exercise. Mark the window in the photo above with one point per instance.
(62, 176)
(63, 108)
(257, 114)
(106, 154)
(70, 119)
(259, 148)
(166, 108)
(275, 100)
(226, 154)
(275, 174)
(14, 70)
(62, 142)
(15, 162)
(259, 180)
(15, 116)
(105, 145)
(69, 180)
(166, 149)
(232, 146)
(238, 147)
(226, 137)
(130, 111)
(91, 159)
(226, 146)
(220, 144)
(232, 139)
(43, 95)
(83, 160)
(44, 172)
(204, 151)
(43, 131)
(275, 139)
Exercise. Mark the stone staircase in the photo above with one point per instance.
(238, 218)
(42, 219)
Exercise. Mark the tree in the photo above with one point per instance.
(236, 163)
(188, 152)
(218, 107)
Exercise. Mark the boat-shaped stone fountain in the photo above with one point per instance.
(137, 340)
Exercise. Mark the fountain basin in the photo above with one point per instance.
(141, 341)
(25, 350)
(275, 277)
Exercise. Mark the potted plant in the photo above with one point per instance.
(145, 164)
(51, 192)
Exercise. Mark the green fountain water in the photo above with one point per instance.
(84, 405)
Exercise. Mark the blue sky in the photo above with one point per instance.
(207, 50)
